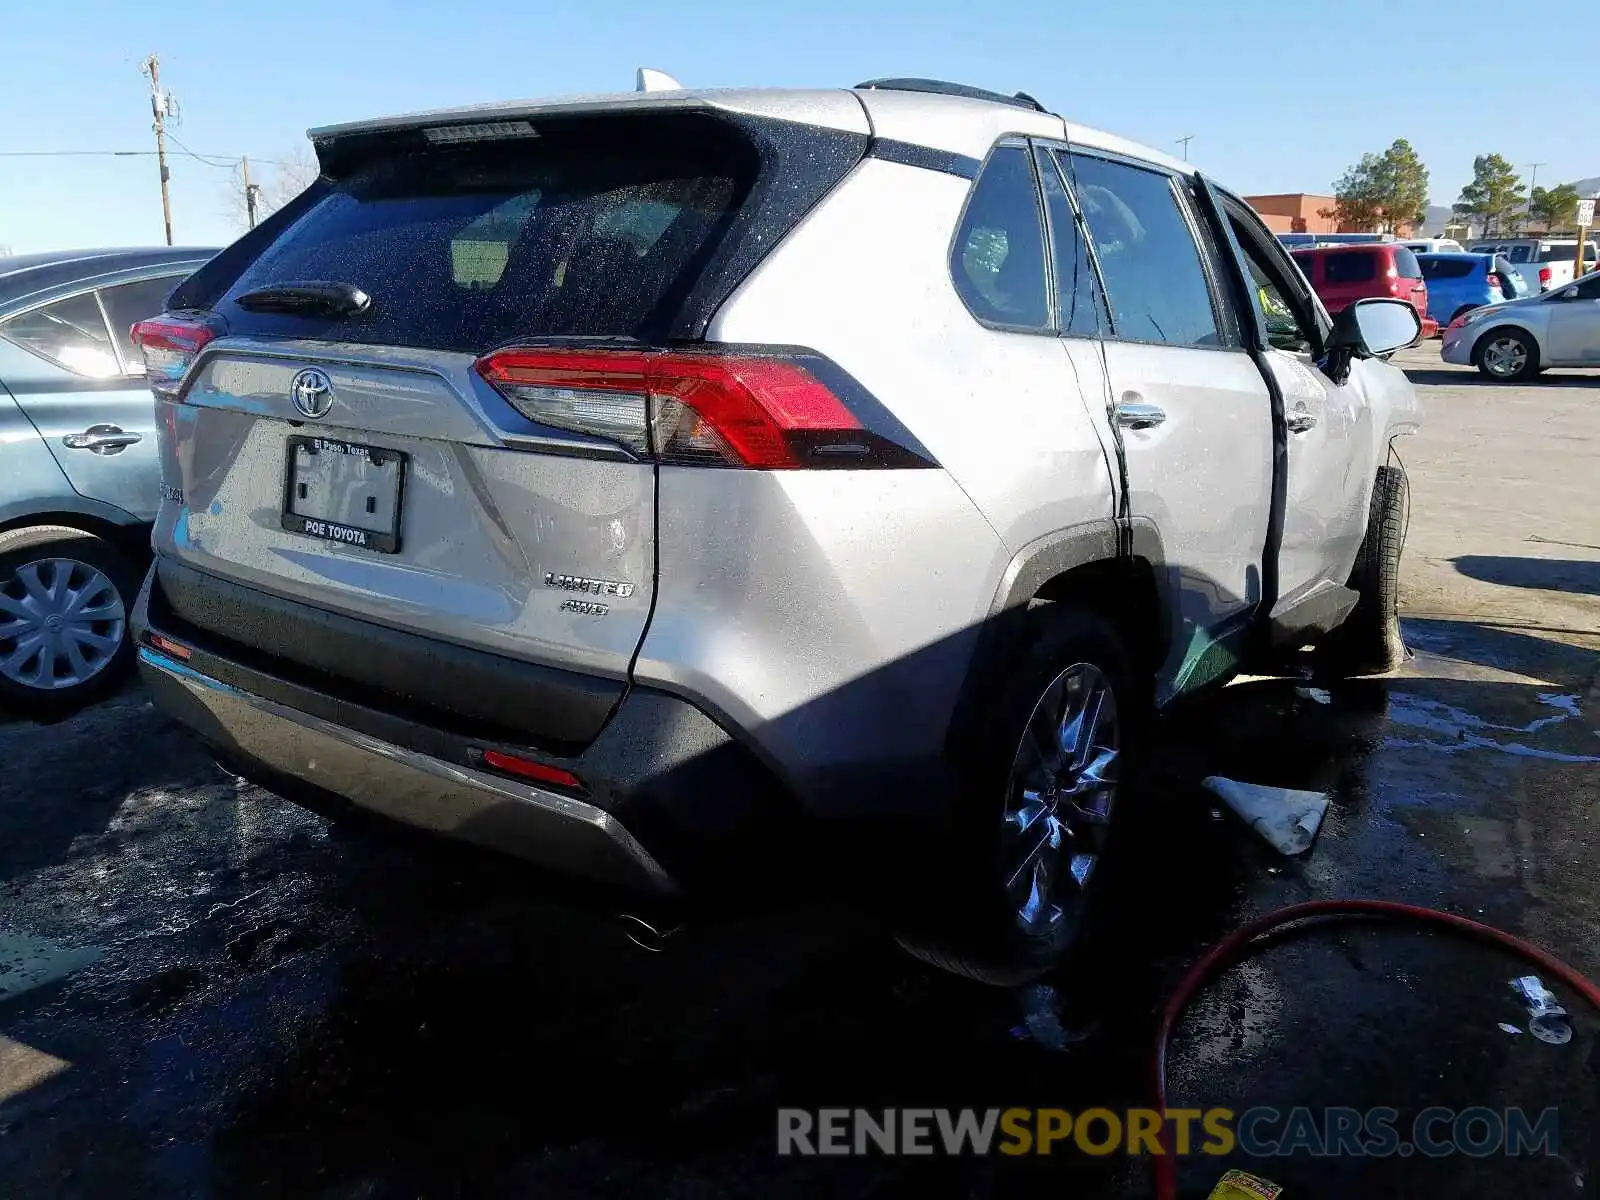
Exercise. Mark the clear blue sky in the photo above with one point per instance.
(1279, 98)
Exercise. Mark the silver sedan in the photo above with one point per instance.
(1518, 339)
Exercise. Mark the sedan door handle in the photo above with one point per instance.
(1136, 414)
(1300, 420)
(101, 439)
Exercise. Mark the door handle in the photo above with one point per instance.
(1136, 414)
(1300, 420)
(101, 439)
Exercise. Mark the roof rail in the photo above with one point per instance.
(941, 87)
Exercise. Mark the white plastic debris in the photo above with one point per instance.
(1319, 695)
(1288, 818)
(1547, 1020)
(1506, 1027)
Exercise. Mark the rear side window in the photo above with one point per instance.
(998, 263)
(129, 303)
(1353, 266)
(468, 247)
(1307, 265)
(1521, 254)
(1154, 277)
(1405, 264)
(1445, 268)
(70, 333)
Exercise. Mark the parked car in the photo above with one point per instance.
(1519, 339)
(1304, 241)
(79, 473)
(1342, 275)
(1458, 283)
(1544, 263)
(628, 481)
(1432, 246)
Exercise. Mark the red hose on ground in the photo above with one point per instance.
(1231, 947)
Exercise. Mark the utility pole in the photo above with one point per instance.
(160, 107)
(250, 190)
(1185, 141)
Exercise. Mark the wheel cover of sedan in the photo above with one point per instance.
(1505, 356)
(61, 623)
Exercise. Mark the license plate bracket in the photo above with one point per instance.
(344, 492)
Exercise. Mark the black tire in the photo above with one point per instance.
(1530, 367)
(1369, 641)
(33, 544)
(968, 924)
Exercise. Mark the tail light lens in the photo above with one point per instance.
(170, 345)
(1545, 275)
(697, 409)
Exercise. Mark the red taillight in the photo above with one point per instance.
(526, 768)
(1544, 276)
(693, 408)
(169, 345)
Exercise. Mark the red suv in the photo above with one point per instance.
(1342, 275)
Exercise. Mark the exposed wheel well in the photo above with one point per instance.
(1125, 595)
(132, 540)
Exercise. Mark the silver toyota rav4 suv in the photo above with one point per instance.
(625, 482)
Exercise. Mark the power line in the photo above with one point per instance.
(231, 158)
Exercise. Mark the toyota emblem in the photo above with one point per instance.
(312, 393)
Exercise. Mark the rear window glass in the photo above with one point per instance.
(1354, 266)
(1445, 268)
(1405, 264)
(468, 247)
(1566, 253)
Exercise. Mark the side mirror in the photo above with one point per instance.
(1370, 329)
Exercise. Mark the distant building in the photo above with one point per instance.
(1301, 212)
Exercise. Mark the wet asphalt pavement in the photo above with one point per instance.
(207, 992)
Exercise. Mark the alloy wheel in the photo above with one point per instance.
(1062, 787)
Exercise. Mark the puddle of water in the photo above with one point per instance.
(29, 962)
(1465, 730)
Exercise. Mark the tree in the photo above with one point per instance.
(1383, 191)
(1556, 207)
(1495, 194)
(276, 183)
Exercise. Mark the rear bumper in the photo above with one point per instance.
(289, 750)
(670, 800)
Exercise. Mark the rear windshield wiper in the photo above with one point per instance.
(310, 299)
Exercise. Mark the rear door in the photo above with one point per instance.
(1193, 411)
(82, 385)
(354, 458)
